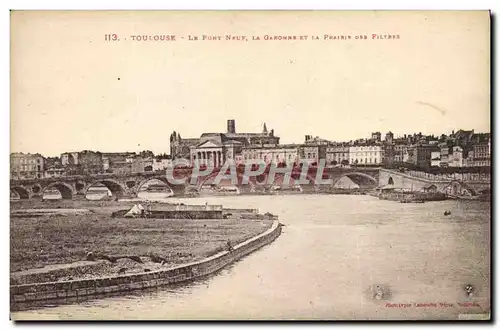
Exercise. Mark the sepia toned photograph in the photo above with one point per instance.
(250, 165)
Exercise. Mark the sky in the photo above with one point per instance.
(73, 90)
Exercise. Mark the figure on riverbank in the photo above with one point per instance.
(469, 290)
(379, 294)
(229, 246)
(90, 256)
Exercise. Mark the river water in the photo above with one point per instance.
(333, 250)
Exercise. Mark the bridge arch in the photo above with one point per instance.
(279, 177)
(361, 179)
(458, 188)
(203, 180)
(116, 188)
(484, 191)
(64, 189)
(80, 186)
(36, 189)
(240, 177)
(21, 191)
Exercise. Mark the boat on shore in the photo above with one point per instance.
(154, 188)
(219, 191)
(278, 190)
(484, 197)
(412, 201)
(411, 196)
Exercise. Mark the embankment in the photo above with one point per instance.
(24, 296)
(412, 196)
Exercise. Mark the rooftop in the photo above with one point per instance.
(279, 146)
(21, 154)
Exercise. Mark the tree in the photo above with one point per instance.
(344, 162)
(146, 154)
(334, 162)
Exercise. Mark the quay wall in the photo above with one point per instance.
(173, 214)
(241, 210)
(186, 214)
(65, 291)
(187, 208)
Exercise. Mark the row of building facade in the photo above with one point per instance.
(35, 166)
(459, 149)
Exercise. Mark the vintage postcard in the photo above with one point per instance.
(250, 165)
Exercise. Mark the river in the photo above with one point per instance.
(333, 250)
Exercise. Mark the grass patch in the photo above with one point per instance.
(46, 240)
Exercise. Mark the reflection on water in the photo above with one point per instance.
(154, 196)
(155, 190)
(152, 190)
(333, 251)
(52, 193)
(98, 192)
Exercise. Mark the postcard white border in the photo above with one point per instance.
(493, 5)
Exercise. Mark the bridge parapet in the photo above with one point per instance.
(177, 171)
(406, 175)
(406, 181)
(464, 177)
(429, 178)
(94, 177)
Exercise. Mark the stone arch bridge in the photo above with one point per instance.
(129, 185)
(73, 186)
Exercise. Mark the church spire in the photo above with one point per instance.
(264, 130)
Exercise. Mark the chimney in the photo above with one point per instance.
(231, 126)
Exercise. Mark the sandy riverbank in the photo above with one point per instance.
(54, 247)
